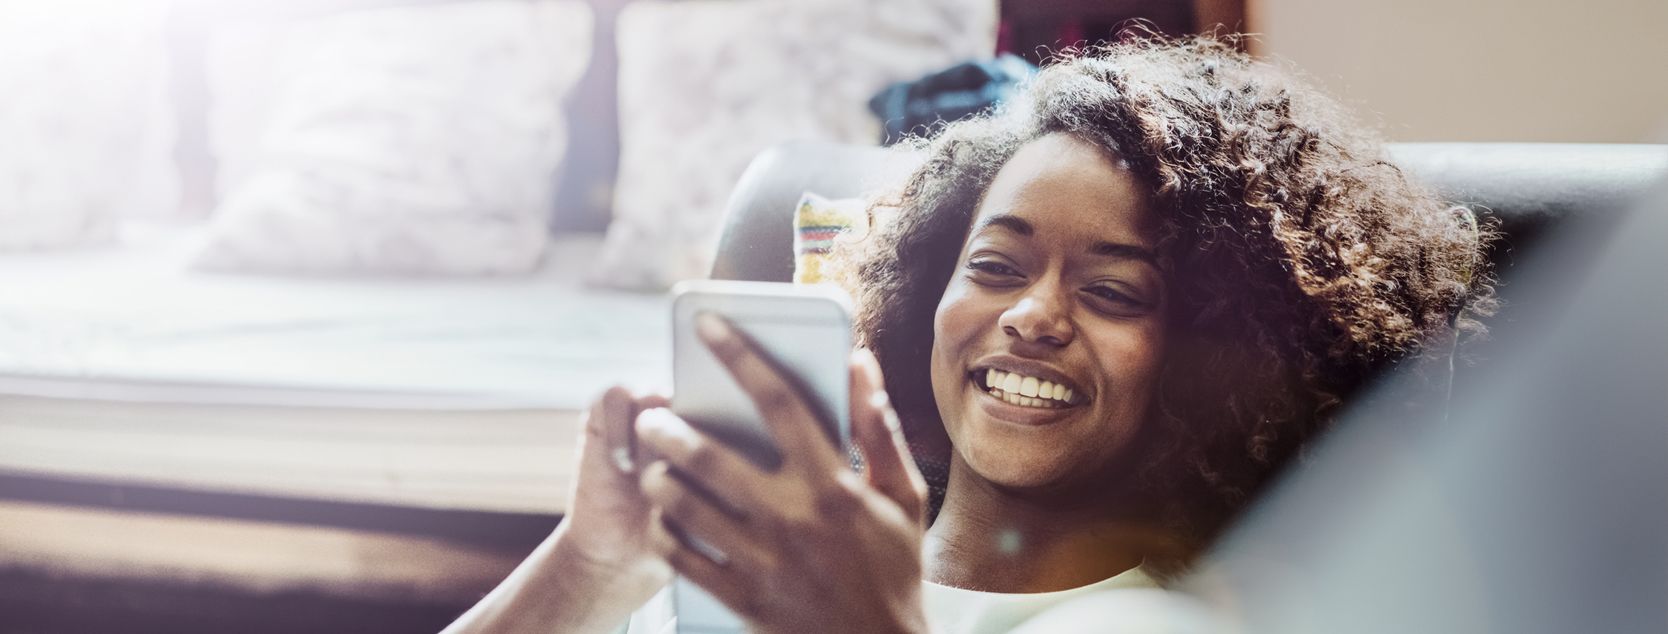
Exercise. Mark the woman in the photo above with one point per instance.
(1104, 318)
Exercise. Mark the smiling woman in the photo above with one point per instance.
(1059, 292)
(1104, 318)
(1208, 254)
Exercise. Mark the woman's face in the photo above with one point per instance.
(1047, 343)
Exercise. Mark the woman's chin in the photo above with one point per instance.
(1015, 465)
(1035, 458)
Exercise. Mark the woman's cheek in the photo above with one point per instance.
(954, 327)
(1130, 372)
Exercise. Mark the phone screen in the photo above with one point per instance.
(804, 331)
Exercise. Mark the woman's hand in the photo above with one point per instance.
(606, 557)
(608, 523)
(811, 546)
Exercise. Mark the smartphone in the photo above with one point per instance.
(805, 331)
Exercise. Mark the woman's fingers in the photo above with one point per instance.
(723, 537)
(726, 472)
(650, 401)
(886, 458)
(611, 421)
(709, 547)
(717, 579)
(608, 428)
(798, 432)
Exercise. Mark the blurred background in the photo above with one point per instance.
(300, 300)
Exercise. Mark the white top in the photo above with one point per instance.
(949, 610)
(959, 611)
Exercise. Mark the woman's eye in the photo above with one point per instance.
(1109, 293)
(993, 267)
(1115, 300)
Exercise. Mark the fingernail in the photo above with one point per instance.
(865, 356)
(655, 427)
(871, 365)
(711, 327)
(890, 417)
(651, 420)
(622, 459)
(664, 431)
(652, 473)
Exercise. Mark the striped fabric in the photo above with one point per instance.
(817, 223)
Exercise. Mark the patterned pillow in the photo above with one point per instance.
(421, 139)
(705, 85)
(817, 223)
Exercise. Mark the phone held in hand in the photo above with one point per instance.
(805, 331)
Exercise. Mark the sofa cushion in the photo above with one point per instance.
(380, 154)
(705, 85)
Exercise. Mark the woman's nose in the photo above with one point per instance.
(1038, 317)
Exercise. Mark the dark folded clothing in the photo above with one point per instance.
(963, 90)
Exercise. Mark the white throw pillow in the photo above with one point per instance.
(705, 85)
(422, 139)
(78, 90)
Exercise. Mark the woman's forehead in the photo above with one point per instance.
(1063, 185)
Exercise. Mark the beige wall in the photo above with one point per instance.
(1483, 70)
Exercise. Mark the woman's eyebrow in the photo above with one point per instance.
(1117, 250)
(1010, 222)
(1124, 252)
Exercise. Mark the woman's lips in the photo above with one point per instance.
(1025, 389)
(1019, 409)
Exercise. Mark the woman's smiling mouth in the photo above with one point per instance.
(1024, 390)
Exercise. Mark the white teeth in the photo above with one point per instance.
(1011, 383)
(1004, 385)
(1026, 401)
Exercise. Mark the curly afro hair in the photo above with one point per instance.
(1301, 261)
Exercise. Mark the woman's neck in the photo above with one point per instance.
(997, 540)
